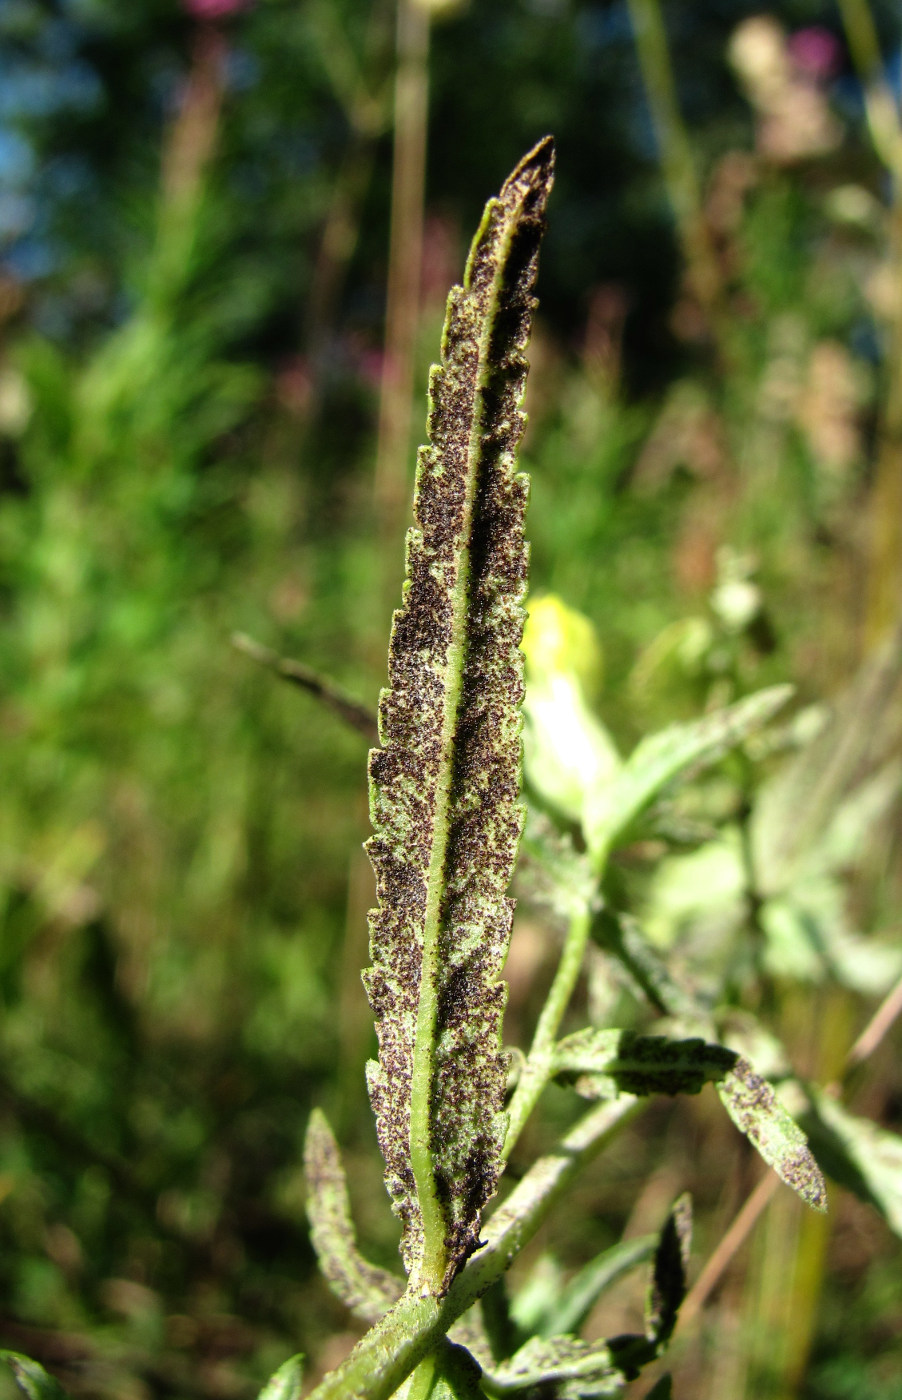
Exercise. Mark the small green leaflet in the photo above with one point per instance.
(31, 1378)
(663, 757)
(366, 1290)
(757, 1112)
(287, 1382)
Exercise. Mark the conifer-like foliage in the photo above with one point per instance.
(444, 785)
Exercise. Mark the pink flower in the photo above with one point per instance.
(214, 9)
(816, 53)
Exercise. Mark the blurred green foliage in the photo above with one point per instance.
(183, 453)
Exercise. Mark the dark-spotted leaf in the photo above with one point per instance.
(666, 1291)
(757, 1112)
(572, 1367)
(669, 1273)
(444, 786)
(603, 1064)
(368, 1291)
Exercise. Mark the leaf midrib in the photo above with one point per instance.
(433, 1261)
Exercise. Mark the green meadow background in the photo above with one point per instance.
(226, 234)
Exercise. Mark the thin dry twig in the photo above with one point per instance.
(355, 714)
(732, 1242)
(877, 1028)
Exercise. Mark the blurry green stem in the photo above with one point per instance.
(405, 258)
(884, 603)
(189, 150)
(677, 162)
(366, 110)
(539, 1062)
(880, 104)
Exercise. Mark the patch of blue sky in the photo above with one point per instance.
(243, 70)
(17, 214)
(17, 158)
(29, 89)
(30, 259)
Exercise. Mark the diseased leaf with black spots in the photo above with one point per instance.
(444, 786)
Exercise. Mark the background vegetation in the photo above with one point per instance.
(205, 426)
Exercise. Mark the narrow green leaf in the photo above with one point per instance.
(573, 1302)
(860, 1155)
(31, 1378)
(444, 786)
(623, 938)
(757, 1112)
(662, 1389)
(287, 1382)
(366, 1290)
(663, 757)
(669, 1273)
(573, 1367)
(603, 1064)
(667, 1289)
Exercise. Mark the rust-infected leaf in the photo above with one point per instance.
(444, 785)
(367, 1290)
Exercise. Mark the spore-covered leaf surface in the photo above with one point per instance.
(444, 785)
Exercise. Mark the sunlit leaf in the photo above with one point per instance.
(662, 758)
(604, 1063)
(758, 1113)
(860, 1155)
(31, 1378)
(287, 1382)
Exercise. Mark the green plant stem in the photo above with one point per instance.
(677, 162)
(879, 103)
(539, 1062)
(405, 258)
(388, 1353)
(884, 601)
(358, 86)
